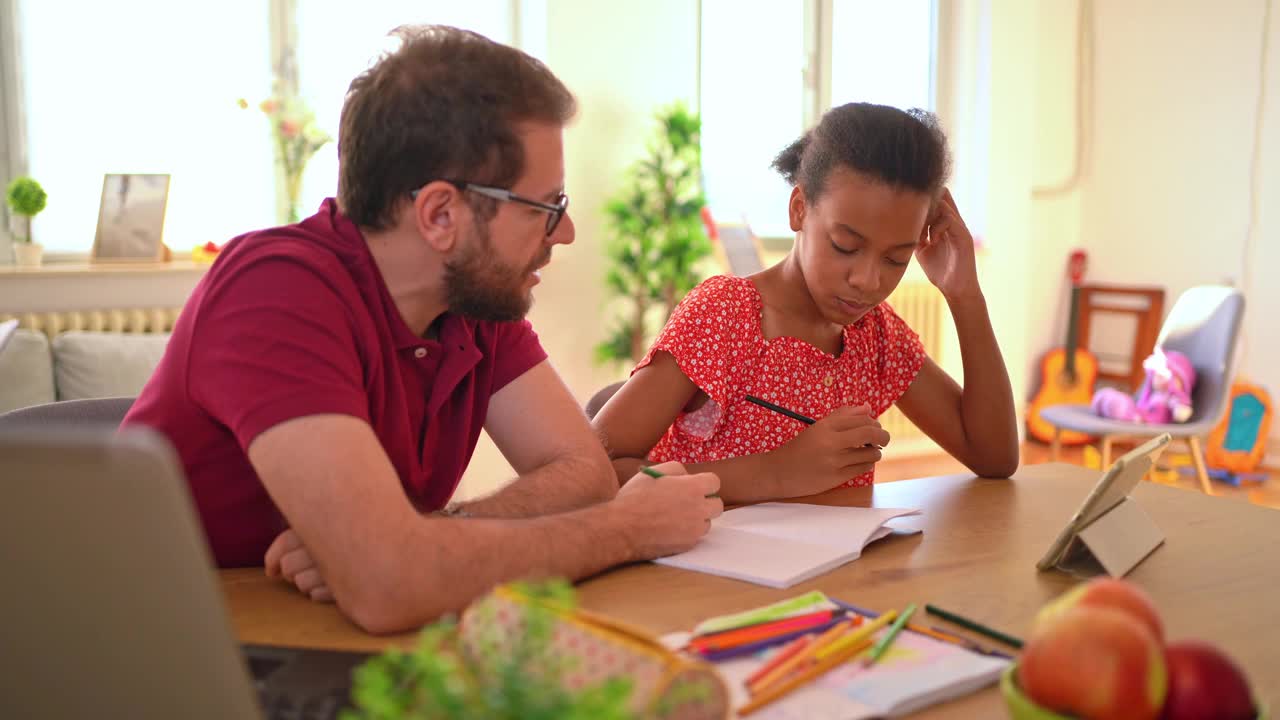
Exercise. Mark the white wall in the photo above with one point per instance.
(1166, 198)
(623, 61)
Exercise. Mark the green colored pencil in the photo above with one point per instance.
(974, 626)
(648, 470)
(890, 634)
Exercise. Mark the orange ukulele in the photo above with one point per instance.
(1067, 375)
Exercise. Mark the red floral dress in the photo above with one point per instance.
(715, 336)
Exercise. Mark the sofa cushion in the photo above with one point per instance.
(102, 364)
(26, 371)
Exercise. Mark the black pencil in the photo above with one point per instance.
(779, 409)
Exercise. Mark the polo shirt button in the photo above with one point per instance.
(420, 353)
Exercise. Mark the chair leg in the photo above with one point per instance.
(1197, 456)
(1106, 451)
(1055, 445)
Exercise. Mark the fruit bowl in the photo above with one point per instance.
(1022, 707)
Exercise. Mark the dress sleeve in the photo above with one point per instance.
(704, 336)
(901, 356)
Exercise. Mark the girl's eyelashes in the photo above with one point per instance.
(843, 250)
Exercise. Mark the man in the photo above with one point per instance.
(327, 381)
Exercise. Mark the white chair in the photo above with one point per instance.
(1203, 325)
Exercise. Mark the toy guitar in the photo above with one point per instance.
(1067, 375)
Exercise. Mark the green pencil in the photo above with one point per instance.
(648, 470)
(890, 634)
(974, 626)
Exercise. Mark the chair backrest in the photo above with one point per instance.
(88, 413)
(1204, 325)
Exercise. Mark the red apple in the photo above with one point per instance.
(1107, 592)
(1094, 662)
(1204, 683)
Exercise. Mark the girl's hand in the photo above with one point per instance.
(945, 252)
(837, 448)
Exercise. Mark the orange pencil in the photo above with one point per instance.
(782, 655)
(808, 653)
(812, 672)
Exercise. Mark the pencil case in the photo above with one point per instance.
(588, 649)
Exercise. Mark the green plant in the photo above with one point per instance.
(441, 679)
(657, 238)
(297, 137)
(26, 199)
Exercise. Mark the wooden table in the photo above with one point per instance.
(1215, 578)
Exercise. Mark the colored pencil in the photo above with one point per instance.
(930, 630)
(974, 626)
(780, 410)
(752, 633)
(807, 654)
(753, 648)
(856, 636)
(818, 669)
(780, 657)
(647, 470)
(887, 639)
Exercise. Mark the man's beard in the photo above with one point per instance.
(480, 286)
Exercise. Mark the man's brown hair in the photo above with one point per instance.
(443, 106)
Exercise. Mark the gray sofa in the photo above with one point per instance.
(76, 365)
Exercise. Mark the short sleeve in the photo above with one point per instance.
(516, 351)
(274, 342)
(699, 335)
(901, 356)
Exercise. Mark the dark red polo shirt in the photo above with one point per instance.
(296, 321)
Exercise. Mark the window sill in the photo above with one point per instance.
(66, 269)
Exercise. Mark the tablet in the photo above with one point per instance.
(7, 329)
(1114, 486)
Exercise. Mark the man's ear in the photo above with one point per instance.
(796, 209)
(436, 211)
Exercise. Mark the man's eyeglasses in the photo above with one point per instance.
(555, 211)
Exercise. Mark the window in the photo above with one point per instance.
(155, 94)
(763, 81)
(335, 45)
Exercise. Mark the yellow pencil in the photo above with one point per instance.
(862, 633)
(814, 671)
(801, 657)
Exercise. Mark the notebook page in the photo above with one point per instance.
(771, 561)
(848, 528)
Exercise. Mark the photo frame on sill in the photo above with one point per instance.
(131, 218)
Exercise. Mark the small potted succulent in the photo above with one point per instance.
(26, 199)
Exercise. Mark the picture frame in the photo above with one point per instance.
(131, 218)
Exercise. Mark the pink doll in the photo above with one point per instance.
(1165, 396)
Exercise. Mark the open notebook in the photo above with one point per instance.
(781, 544)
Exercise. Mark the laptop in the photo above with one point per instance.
(111, 606)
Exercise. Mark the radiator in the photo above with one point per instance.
(921, 305)
(128, 320)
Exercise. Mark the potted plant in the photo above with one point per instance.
(658, 238)
(26, 199)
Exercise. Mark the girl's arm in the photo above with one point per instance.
(820, 458)
(976, 423)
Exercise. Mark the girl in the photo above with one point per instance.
(812, 334)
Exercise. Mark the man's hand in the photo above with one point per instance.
(667, 515)
(288, 558)
(840, 446)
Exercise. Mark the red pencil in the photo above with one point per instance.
(741, 636)
(786, 652)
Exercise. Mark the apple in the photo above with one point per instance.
(1205, 683)
(1094, 662)
(1106, 592)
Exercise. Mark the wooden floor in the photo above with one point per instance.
(1266, 493)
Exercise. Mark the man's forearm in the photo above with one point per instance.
(986, 404)
(559, 486)
(573, 545)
